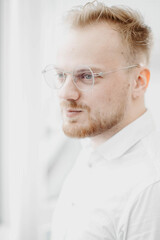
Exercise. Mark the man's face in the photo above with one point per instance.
(106, 105)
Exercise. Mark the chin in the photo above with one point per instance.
(82, 131)
(91, 128)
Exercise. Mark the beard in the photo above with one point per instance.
(94, 124)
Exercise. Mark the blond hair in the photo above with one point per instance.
(136, 35)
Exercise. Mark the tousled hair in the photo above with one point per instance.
(136, 35)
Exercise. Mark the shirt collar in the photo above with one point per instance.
(122, 141)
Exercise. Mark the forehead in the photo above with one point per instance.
(94, 44)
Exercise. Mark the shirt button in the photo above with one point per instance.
(90, 165)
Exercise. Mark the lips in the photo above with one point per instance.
(73, 112)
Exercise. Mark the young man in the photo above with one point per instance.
(101, 73)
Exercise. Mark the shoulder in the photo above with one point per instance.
(142, 213)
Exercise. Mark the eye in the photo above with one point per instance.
(87, 76)
(60, 75)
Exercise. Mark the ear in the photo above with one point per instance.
(141, 83)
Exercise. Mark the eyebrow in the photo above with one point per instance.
(57, 68)
(94, 68)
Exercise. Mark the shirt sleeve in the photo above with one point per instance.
(143, 220)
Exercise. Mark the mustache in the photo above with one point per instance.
(74, 105)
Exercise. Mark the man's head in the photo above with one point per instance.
(135, 35)
(104, 39)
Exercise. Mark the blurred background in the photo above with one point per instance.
(35, 156)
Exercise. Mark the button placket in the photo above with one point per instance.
(93, 159)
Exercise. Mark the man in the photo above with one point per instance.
(101, 73)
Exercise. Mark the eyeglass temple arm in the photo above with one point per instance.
(100, 74)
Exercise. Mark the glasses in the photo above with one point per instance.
(83, 77)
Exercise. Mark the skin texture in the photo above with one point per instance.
(116, 99)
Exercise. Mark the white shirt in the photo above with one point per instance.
(113, 192)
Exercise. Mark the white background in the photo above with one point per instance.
(32, 145)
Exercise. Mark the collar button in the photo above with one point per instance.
(90, 165)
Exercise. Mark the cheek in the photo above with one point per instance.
(119, 89)
(107, 95)
(110, 97)
(102, 100)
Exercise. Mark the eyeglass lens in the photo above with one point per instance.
(82, 76)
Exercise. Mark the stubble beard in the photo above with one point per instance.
(93, 125)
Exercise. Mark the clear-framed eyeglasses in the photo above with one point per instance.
(83, 77)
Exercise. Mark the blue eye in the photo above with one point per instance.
(88, 76)
(85, 78)
(60, 75)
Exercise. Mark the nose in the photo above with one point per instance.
(69, 91)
